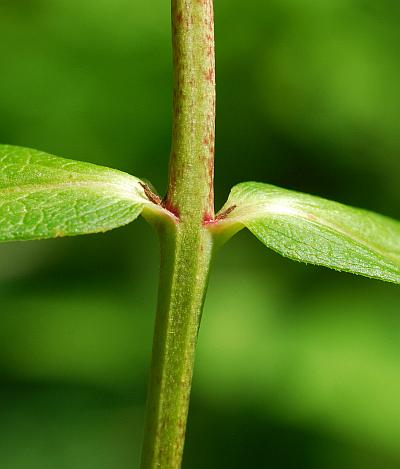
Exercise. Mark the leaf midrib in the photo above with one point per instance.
(34, 188)
(317, 221)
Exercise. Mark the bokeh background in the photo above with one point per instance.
(298, 366)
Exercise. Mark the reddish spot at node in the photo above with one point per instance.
(208, 219)
(171, 208)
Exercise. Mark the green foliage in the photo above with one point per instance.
(327, 122)
(43, 196)
(311, 229)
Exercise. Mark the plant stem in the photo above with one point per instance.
(186, 246)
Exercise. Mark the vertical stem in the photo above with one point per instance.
(191, 171)
(184, 270)
(186, 246)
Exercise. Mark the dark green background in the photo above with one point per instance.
(298, 367)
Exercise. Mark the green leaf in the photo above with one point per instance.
(311, 229)
(43, 196)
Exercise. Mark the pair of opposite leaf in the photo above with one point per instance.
(43, 196)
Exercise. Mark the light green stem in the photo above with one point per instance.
(186, 245)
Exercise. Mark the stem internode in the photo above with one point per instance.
(186, 244)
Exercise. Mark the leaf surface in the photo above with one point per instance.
(310, 229)
(44, 196)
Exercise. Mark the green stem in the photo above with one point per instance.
(186, 245)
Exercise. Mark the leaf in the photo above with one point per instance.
(310, 229)
(44, 196)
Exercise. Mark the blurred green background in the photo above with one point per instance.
(298, 366)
